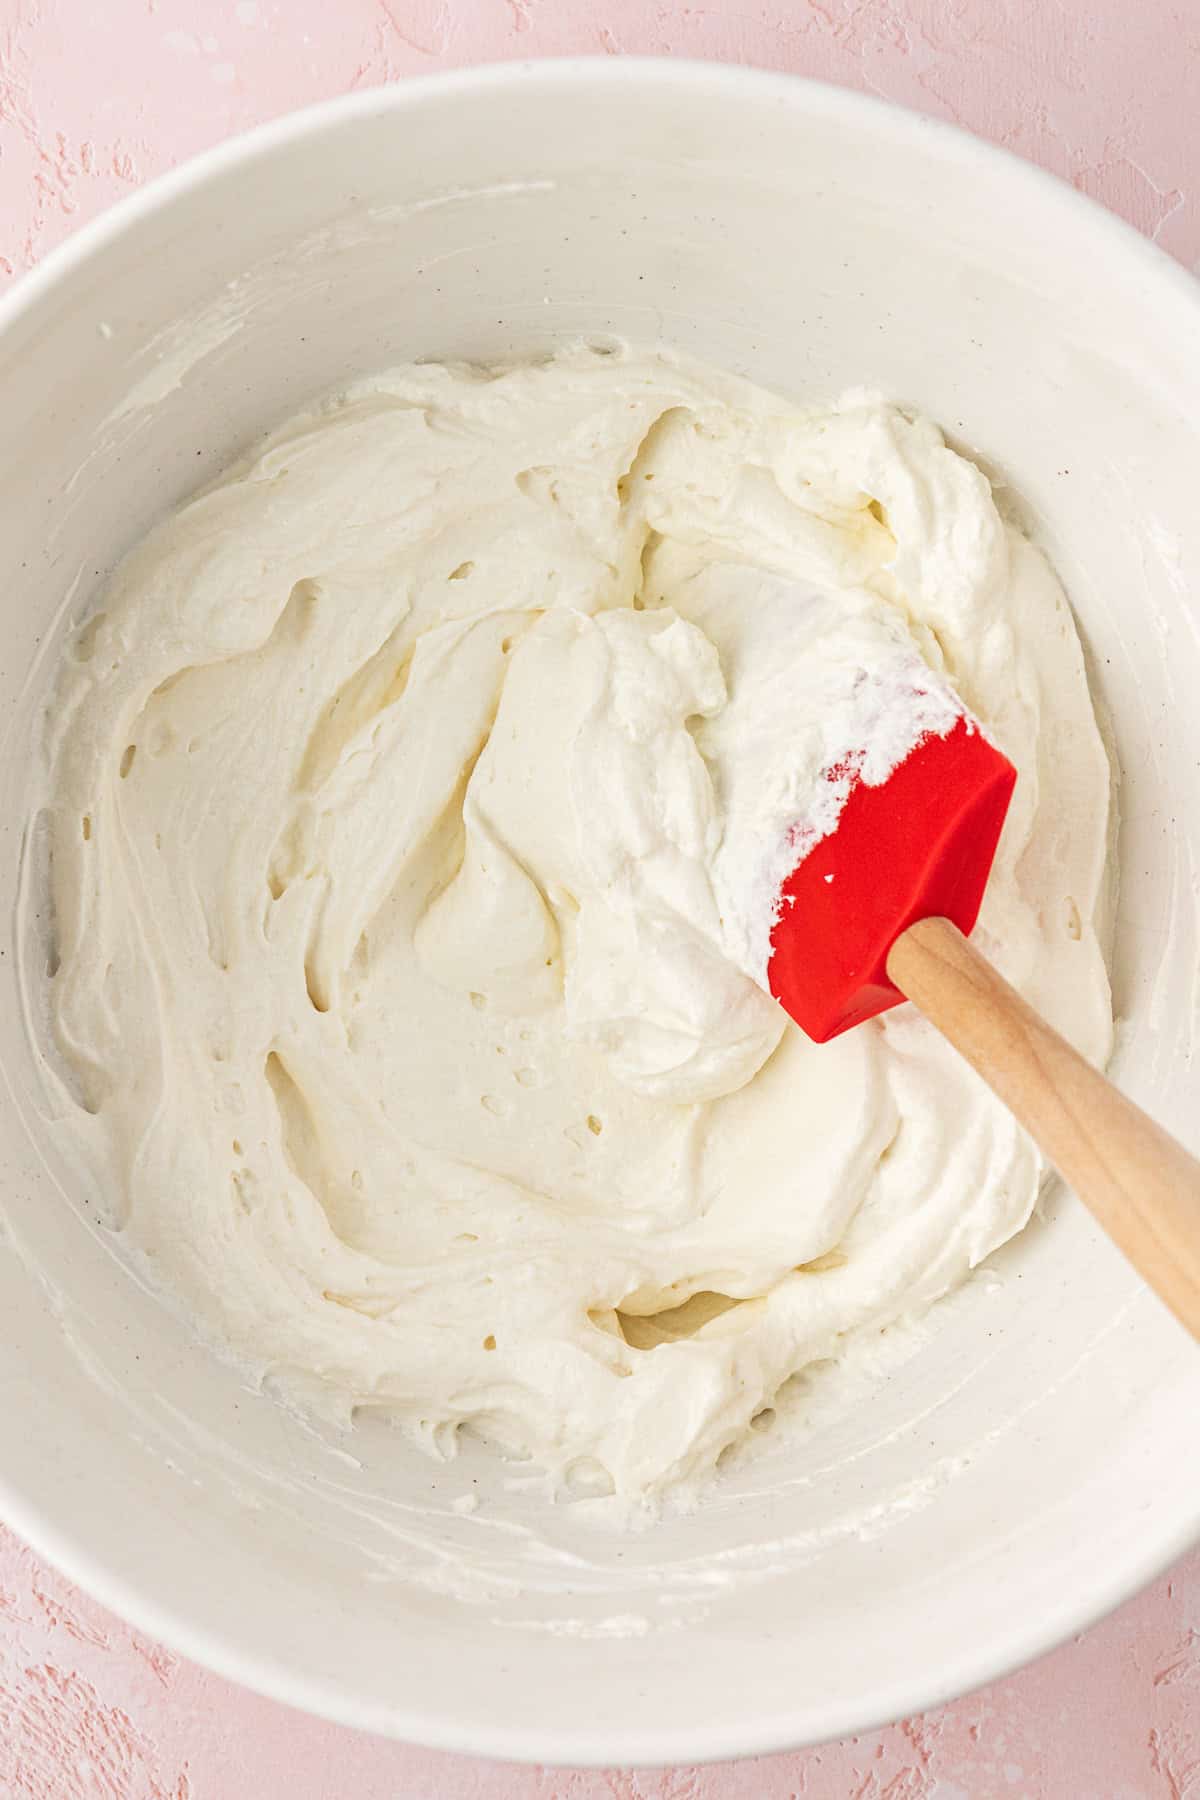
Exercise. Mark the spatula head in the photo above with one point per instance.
(918, 845)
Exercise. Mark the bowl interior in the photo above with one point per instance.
(1034, 1459)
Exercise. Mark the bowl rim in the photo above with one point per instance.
(1170, 284)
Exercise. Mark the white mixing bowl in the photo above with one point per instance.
(1040, 1457)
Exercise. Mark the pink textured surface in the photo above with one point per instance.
(95, 98)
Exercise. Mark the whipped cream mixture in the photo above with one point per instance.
(418, 797)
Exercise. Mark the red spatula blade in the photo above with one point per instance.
(918, 845)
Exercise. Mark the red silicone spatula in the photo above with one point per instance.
(879, 912)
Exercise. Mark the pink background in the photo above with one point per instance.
(97, 97)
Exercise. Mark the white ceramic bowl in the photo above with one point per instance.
(1038, 1460)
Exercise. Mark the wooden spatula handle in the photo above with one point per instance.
(1141, 1185)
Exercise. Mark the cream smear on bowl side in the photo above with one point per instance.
(401, 787)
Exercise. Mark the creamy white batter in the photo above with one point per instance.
(417, 795)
